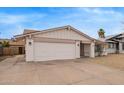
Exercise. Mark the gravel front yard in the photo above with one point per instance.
(112, 60)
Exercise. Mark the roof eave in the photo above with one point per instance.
(47, 30)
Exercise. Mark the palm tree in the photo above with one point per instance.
(101, 33)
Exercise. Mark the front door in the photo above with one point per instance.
(20, 50)
(81, 49)
(117, 47)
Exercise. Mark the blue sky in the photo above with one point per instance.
(88, 20)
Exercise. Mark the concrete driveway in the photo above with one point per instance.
(80, 71)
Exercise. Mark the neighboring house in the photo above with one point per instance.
(58, 43)
(15, 47)
(115, 43)
(18, 45)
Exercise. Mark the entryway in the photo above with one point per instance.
(117, 47)
(81, 50)
(84, 50)
(21, 50)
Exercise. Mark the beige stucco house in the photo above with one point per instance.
(58, 43)
(115, 43)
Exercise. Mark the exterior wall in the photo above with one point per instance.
(120, 46)
(52, 40)
(77, 49)
(89, 50)
(111, 50)
(92, 50)
(29, 48)
(64, 34)
(104, 51)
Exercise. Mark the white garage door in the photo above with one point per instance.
(52, 51)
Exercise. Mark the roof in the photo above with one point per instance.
(110, 36)
(28, 32)
(122, 36)
(33, 32)
(116, 35)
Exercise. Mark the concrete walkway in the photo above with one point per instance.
(80, 71)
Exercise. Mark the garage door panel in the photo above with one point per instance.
(53, 51)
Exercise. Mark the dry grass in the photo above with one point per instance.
(112, 60)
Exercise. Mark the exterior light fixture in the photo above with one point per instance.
(29, 43)
(78, 45)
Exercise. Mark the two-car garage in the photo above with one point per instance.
(50, 51)
(56, 43)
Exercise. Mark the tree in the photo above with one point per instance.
(101, 33)
(5, 43)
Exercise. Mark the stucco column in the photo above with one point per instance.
(105, 50)
(92, 50)
(77, 55)
(120, 47)
(29, 49)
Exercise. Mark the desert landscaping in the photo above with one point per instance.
(107, 70)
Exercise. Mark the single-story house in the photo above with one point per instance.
(64, 42)
(15, 47)
(115, 43)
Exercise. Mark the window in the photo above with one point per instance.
(111, 45)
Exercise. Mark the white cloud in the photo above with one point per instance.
(102, 14)
(99, 11)
(18, 18)
(96, 15)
